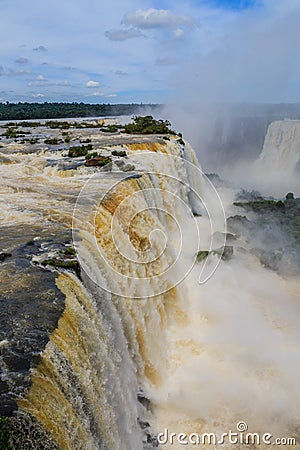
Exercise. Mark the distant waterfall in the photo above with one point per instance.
(276, 170)
(281, 150)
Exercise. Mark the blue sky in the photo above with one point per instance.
(112, 51)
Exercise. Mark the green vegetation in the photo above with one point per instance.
(92, 155)
(61, 264)
(289, 196)
(66, 137)
(120, 153)
(201, 255)
(79, 150)
(58, 125)
(5, 434)
(30, 124)
(33, 141)
(98, 160)
(20, 111)
(12, 133)
(110, 129)
(53, 141)
(225, 252)
(148, 125)
(283, 213)
(261, 205)
(70, 251)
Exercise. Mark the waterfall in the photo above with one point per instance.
(129, 233)
(147, 339)
(281, 150)
(276, 170)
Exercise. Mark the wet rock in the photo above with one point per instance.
(143, 424)
(225, 252)
(4, 388)
(132, 177)
(4, 256)
(202, 254)
(152, 440)
(7, 406)
(31, 305)
(70, 164)
(144, 400)
(16, 363)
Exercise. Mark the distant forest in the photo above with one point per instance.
(21, 111)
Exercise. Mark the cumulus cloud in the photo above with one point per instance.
(92, 84)
(156, 18)
(38, 95)
(22, 60)
(40, 78)
(123, 35)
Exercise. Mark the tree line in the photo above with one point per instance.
(20, 111)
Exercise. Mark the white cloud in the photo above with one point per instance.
(122, 35)
(178, 33)
(38, 95)
(92, 84)
(96, 94)
(156, 18)
(240, 53)
(101, 94)
(40, 78)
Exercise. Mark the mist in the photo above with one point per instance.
(241, 76)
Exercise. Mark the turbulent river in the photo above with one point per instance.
(145, 339)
